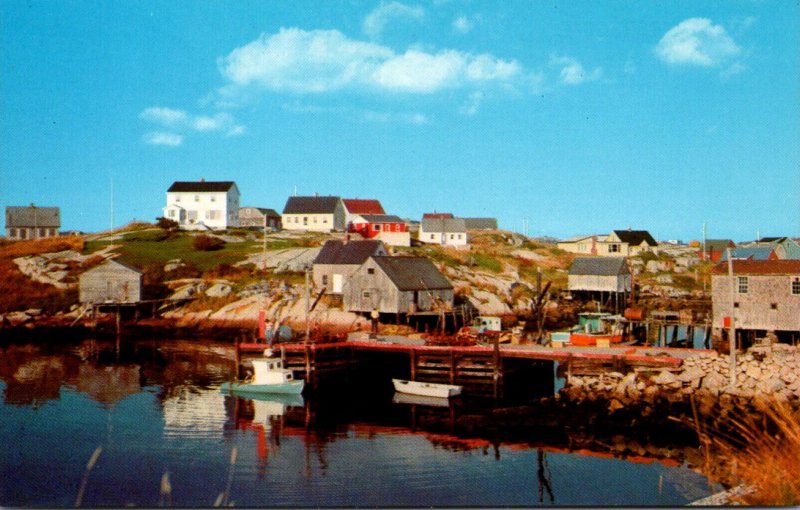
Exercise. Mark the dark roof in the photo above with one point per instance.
(32, 216)
(382, 218)
(602, 266)
(437, 216)
(776, 240)
(760, 267)
(719, 244)
(200, 186)
(413, 273)
(635, 237)
(363, 206)
(443, 225)
(480, 223)
(749, 253)
(352, 252)
(311, 205)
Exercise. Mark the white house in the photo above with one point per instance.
(443, 231)
(200, 205)
(315, 214)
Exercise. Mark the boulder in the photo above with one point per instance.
(218, 290)
(665, 377)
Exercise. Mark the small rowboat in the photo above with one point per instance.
(426, 389)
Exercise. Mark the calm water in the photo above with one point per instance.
(168, 437)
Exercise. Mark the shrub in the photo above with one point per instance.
(207, 243)
(166, 223)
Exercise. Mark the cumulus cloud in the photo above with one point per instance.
(299, 61)
(181, 121)
(163, 138)
(376, 21)
(698, 42)
(572, 71)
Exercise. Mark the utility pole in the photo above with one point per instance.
(732, 325)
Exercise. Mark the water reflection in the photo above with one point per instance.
(157, 412)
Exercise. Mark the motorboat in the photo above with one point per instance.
(426, 389)
(593, 329)
(269, 376)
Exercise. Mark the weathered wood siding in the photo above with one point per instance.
(768, 304)
(364, 291)
(323, 275)
(598, 283)
(110, 282)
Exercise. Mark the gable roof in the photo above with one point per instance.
(437, 216)
(412, 273)
(113, 264)
(444, 225)
(789, 267)
(32, 216)
(599, 266)
(480, 223)
(335, 251)
(200, 186)
(311, 205)
(381, 218)
(363, 206)
(635, 237)
(749, 253)
(719, 244)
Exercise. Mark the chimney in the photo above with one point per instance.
(202, 179)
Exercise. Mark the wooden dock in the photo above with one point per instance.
(479, 368)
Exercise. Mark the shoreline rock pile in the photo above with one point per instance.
(763, 372)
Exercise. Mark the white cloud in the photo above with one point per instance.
(179, 120)
(165, 116)
(162, 138)
(462, 25)
(299, 61)
(376, 21)
(697, 41)
(572, 71)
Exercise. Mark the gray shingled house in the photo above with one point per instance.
(398, 285)
(317, 214)
(337, 260)
(110, 282)
(32, 222)
(599, 274)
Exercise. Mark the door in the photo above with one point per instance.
(338, 281)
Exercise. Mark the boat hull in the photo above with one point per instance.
(426, 389)
(287, 388)
(589, 340)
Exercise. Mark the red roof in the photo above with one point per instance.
(361, 206)
(437, 216)
(760, 267)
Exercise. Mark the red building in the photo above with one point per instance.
(372, 225)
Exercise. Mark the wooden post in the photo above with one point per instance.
(413, 364)
(452, 367)
(496, 374)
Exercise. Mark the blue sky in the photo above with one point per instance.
(581, 117)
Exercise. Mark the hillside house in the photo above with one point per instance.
(397, 285)
(582, 245)
(600, 278)
(443, 231)
(110, 282)
(626, 243)
(259, 217)
(358, 206)
(750, 253)
(337, 260)
(765, 297)
(32, 222)
(203, 205)
(715, 249)
(480, 223)
(388, 228)
(785, 247)
(314, 214)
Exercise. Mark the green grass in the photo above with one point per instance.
(487, 262)
(142, 248)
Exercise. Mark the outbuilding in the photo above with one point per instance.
(599, 277)
(110, 282)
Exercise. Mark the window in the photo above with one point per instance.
(324, 279)
(171, 213)
(796, 286)
(178, 198)
(432, 237)
(773, 306)
(305, 220)
(613, 248)
(12, 232)
(365, 294)
(376, 227)
(213, 199)
(370, 270)
(742, 284)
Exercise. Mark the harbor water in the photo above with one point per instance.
(144, 424)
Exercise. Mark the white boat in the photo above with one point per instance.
(426, 389)
(422, 400)
(269, 376)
